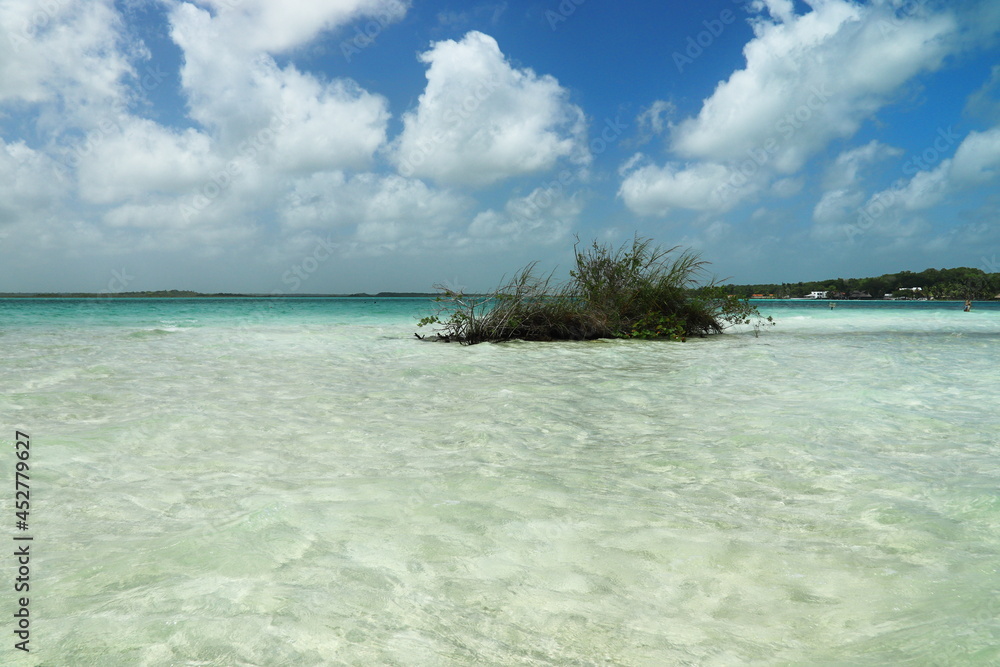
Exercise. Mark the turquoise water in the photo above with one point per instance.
(302, 482)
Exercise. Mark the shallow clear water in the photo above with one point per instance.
(302, 482)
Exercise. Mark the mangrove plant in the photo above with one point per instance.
(635, 291)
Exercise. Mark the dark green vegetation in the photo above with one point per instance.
(959, 284)
(636, 291)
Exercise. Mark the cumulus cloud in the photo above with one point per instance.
(75, 70)
(262, 126)
(157, 225)
(259, 26)
(780, 10)
(834, 207)
(844, 189)
(310, 124)
(142, 157)
(895, 211)
(544, 216)
(334, 126)
(648, 189)
(809, 79)
(30, 188)
(71, 54)
(480, 120)
(381, 209)
(65, 68)
(846, 168)
(787, 187)
(976, 161)
(655, 119)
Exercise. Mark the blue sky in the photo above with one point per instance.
(312, 146)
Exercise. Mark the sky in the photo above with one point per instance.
(339, 146)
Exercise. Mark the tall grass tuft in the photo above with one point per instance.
(635, 291)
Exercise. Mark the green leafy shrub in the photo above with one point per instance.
(635, 291)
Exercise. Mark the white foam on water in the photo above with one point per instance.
(319, 488)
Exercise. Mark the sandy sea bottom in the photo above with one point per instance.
(313, 486)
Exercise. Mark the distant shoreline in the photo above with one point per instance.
(179, 294)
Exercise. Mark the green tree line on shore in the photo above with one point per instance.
(959, 284)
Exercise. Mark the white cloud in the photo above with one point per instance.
(382, 209)
(976, 161)
(846, 168)
(844, 192)
(787, 187)
(158, 224)
(780, 10)
(38, 214)
(977, 158)
(335, 126)
(809, 79)
(304, 124)
(654, 190)
(812, 79)
(544, 216)
(152, 216)
(836, 206)
(148, 186)
(894, 212)
(31, 186)
(69, 54)
(925, 189)
(258, 26)
(27, 174)
(139, 157)
(480, 120)
(374, 211)
(656, 118)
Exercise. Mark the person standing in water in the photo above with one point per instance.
(968, 305)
